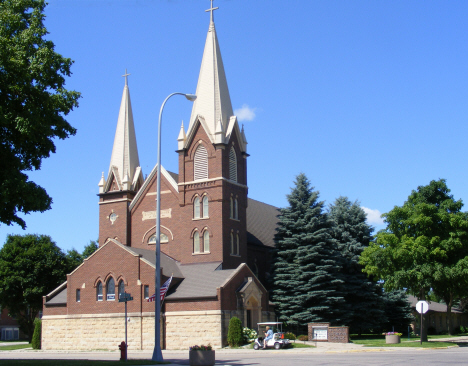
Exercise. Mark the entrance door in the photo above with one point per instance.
(249, 319)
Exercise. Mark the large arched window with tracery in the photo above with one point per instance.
(110, 289)
(232, 165)
(200, 163)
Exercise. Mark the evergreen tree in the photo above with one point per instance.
(306, 263)
(235, 335)
(398, 311)
(363, 306)
(36, 339)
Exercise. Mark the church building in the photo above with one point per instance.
(215, 241)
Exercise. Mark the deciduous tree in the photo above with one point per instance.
(30, 267)
(424, 247)
(33, 106)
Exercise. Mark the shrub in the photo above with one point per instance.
(303, 337)
(36, 338)
(235, 336)
(290, 336)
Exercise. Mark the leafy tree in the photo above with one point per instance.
(36, 339)
(235, 335)
(89, 249)
(30, 267)
(73, 259)
(424, 247)
(33, 103)
(306, 262)
(363, 306)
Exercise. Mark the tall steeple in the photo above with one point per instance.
(124, 164)
(213, 102)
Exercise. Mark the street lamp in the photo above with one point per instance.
(157, 354)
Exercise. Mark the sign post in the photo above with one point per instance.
(422, 307)
(125, 298)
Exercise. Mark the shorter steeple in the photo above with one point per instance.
(124, 159)
(182, 137)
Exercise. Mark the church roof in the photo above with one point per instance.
(262, 220)
(124, 152)
(168, 265)
(201, 280)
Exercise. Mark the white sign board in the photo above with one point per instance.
(320, 334)
(422, 307)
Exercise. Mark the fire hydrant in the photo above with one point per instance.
(123, 351)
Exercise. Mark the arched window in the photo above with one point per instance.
(232, 165)
(232, 244)
(163, 238)
(205, 206)
(236, 211)
(231, 207)
(196, 242)
(110, 289)
(121, 288)
(99, 291)
(237, 244)
(196, 208)
(200, 163)
(206, 241)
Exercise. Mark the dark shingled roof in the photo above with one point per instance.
(201, 280)
(60, 298)
(261, 223)
(174, 176)
(168, 265)
(433, 306)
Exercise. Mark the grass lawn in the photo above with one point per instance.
(14, 346)
(301, 345)
(76, 363)
(404, 343)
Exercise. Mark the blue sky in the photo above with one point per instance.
(367, 98)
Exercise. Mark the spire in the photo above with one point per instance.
(182, 137)
(213, 102)
(125, 152)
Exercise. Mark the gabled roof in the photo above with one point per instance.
(168, 265)
(213, 101)
(124, 152)
(262, 220)
(200, 280)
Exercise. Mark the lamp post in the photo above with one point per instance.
(157, 354)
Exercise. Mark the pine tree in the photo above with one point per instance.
(36, 339)
(306, 263)
(398, 311)
(363, 306)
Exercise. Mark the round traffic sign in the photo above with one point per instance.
(422, 307)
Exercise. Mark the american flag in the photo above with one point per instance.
(162, 291)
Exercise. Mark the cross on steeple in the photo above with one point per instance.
(211, 11)
(125, 76)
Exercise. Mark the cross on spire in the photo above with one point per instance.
(211, 10)
(125, 76)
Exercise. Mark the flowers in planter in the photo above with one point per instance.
(201, 348)
(392, 333)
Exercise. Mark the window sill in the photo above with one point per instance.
(235, 255)
(200, 218)
(233, 219)
(201, 253)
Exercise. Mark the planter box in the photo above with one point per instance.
(392, 339)
(202, 358)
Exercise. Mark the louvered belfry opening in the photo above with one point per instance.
(200, 163)
(232, 165)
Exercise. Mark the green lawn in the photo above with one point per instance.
(76, 363)
(14, 346)
(404, 343)
(301, 345)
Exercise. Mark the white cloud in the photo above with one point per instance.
(245, 113)
(373, 216)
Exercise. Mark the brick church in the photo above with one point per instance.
(215, 241)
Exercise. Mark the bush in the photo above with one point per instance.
(235, 336)
(303, 337)
(290, 336)
(36, 338)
